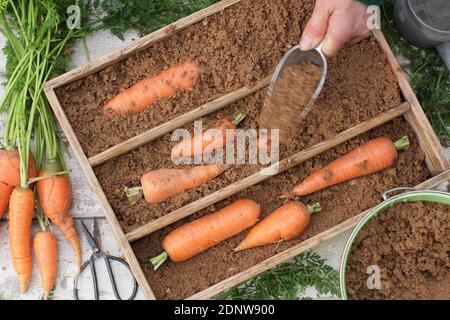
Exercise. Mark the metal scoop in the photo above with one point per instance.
(296, 113)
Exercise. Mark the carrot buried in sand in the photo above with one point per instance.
(371, 157)
(195, 237)
(209, 140)
(55, 198)
(148, 91)
(160, 185)
(285, 223)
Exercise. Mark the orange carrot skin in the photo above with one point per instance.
(371, 157)
(21, 207)
(46, 251)
(10, 167)
(207, 141)
(54, 198)
(195, 237)
(148, 91)
(285, 223)
(5, 194)
(160, 185)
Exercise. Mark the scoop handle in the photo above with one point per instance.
(319, 47)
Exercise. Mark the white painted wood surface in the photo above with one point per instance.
(86, 207)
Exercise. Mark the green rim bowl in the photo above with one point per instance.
(412, 196)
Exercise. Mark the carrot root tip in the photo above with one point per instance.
(23, 287)
(402, 144)
(314, 208)
(159, 260)
(133, 194)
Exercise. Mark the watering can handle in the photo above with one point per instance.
(444, 51)
(386, 195)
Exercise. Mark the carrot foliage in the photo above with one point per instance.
(289, 281)
(144, 15)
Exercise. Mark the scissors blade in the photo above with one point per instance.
(96, 233)
(89, 237)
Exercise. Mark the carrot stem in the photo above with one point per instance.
(159, 260)
(36, 179)
(314, 208)
(40, 218)
(133, 194)
(402, 144)
(238, 118)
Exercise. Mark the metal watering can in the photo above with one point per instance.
(411, 195)
(426, 24)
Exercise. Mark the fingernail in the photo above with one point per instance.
(306, 43)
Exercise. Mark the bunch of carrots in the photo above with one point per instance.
(287, 222)
(33, 185)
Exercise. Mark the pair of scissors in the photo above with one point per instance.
(97, 254)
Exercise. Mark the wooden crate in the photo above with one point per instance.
(410, 110)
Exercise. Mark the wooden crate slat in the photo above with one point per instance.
(167, 127)
(95, 185)
(301, 247)
(258, 177)
(416, 117)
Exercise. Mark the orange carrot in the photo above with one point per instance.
(5, 194)
(147, 92)
(195, 237)
(21, 207)
(160, 185)
(209, 140)
(372, 156)
(10, 167)
(46, 250)
(54, 198)
(285, 223)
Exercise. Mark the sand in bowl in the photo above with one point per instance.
(410, 243)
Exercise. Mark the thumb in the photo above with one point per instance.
(341, 29)
(316, 28)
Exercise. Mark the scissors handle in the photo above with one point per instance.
(106, 258)
(91, 264)
(94, 277)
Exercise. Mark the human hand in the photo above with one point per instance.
(334, 22)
